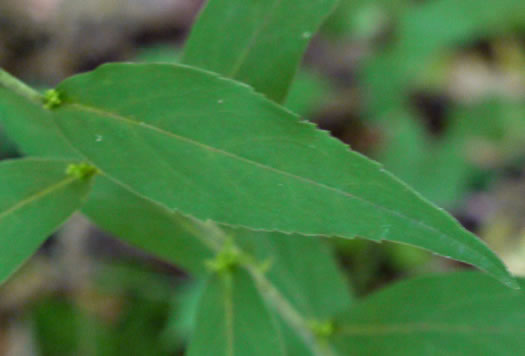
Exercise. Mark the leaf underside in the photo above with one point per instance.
(464, 313)
(36, 197)
(248, 52)
(232, 319)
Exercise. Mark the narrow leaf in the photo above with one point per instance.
(232, 319)
(237, 38)
(305, 272)
(144, 224)
(303, 269)
(459, 314)
(36, 197)
(32, 128)
(214, 149)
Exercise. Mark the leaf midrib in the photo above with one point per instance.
(420, 327)
(227, 281)
(239, 63)
(41, 194)
(130, 121)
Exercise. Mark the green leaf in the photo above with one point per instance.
(36, 197)
(182, 314)
(458, 314)
(436, 168)
(232, 319)
(7, 147)
(305, 272)
(303, 269)
(260, 43)
(158, 54)
(213, 149)
(32, 128)
(141, 223)
(308, 92)
(300, 277)
(355, 18)
(114, 208)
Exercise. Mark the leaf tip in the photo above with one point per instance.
(511, 282)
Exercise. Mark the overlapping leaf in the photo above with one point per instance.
(458, 314)
(304, 270)
(247, 40)
(36, 196)
(232, 319)
(218, 151)
(137, 221)
(300, 268)
(32, 128)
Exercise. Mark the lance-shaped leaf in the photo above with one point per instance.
(212, 148)
(32, 127)
(232, 319)
(166, 234)
(36, 197)
(238, 38)
(303, 269)
(459, 314)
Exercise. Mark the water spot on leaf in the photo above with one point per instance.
(307, 35)
(99, 138)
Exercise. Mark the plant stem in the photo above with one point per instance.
(272, 294)
(10, 82)
(289, 314)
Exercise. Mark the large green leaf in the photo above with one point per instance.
(216, 150)
(36, 196)
(232, 319)
(257, 42)
(149, 226)
(302, 270)
(459, 314)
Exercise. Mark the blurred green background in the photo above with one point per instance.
(432, 89)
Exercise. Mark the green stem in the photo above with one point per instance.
(272, 294)
(9, 82)
(289, 314)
